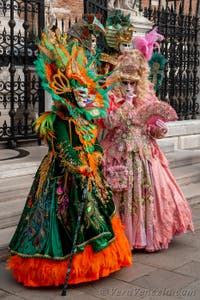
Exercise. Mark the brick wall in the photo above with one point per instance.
(76, 6)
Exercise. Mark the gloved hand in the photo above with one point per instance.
(129, 97)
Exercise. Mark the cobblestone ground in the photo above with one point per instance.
(168, 274)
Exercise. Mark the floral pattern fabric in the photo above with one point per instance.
(152, 207)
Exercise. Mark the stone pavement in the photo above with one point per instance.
(171, 274)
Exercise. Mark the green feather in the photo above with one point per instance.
(48, 44)
(61, 59)
(46, 125)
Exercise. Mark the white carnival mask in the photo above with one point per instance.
(81, 96)
(87, 101)
(125, 46)
(128, 87)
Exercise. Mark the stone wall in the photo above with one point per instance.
(182, 135)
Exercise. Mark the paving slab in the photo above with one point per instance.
(55, 294)
(112, 289)
(167, 295)
(191, 239)
(161, 279)
(159, 284)
(168, 259)
(133, 272)
(193, 291)
(192, 268)
(196, 256)
(196, 210)
(8, 283)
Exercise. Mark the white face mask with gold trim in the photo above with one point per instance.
(125, 47)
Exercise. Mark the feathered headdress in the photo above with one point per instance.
(118, 30)
(157, 66)
(132, 65)
(62, 68)
(146, 43)
(156, 60)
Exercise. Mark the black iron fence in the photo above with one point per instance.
(178, 21)
(97, 7)
(21, 97)
(180, 26)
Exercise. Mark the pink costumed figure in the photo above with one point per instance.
(148, 200)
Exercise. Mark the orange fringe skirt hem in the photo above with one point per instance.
(86, 266)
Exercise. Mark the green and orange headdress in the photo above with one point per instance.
(64, 67)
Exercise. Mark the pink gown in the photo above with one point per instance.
(148, 200)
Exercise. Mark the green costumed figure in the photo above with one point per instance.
(118, 39)
(43, 241)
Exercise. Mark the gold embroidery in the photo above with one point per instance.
(43, 172)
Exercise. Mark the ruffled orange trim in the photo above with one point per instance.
(86, 266)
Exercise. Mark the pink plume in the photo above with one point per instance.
(141, 44)
(145, 44)
(154, 36)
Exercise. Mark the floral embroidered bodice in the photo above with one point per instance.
(125, 134)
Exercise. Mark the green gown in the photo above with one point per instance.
(43, 241)
(48, 222)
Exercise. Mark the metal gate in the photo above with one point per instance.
(21, 97)
(178, 21)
